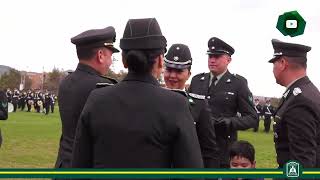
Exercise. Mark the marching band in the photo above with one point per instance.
(36, 101)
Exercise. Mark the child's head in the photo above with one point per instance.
(242, 155)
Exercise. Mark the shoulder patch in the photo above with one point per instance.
(197, 96)
(100, 85)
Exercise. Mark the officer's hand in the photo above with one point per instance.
(223, 122)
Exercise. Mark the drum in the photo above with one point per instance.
(10, 107)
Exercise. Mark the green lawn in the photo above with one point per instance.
(31, 141)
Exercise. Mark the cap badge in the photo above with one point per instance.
(178, 48)
(212, 47)
(202, 78)
(228, 81)
(296, 91)
(176, 58)
(278, 54)
(108, 44)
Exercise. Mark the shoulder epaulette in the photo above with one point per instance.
(237, 76)
(114, 81)
(100, 85)
(183, 93)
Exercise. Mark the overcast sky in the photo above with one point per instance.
(36, 34)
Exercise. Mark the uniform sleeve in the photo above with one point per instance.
(82, 148)
(301, 126)
(249, 116)
(186, 148)
(3, 106)
(207, 138)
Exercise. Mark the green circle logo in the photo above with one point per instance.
(291, 23)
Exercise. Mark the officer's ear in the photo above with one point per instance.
(229, 59)
(284, 63)
(99, 55)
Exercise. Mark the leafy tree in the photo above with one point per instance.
(10, 79)
(52, 80)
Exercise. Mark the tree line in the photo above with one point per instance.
(51, 80)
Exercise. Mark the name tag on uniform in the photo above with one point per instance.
(197, 96)
(231, 93)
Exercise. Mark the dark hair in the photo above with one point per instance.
(86, 53)
(297, 62)
(141, 61)
(242, 149)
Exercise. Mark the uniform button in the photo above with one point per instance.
(229, 137)
(194, 122)
(274, 123)
(208, 97)
(275, 135)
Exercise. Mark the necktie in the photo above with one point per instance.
(212, 84)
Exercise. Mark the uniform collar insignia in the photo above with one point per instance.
(296, 91)
(286, 94)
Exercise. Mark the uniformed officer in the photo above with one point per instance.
(23, 100)
(297, 119)
(52, 102)
(15, 99)
(136, 123)
(47, 102)
(3, 109)
(258, 108)
(268, 111)
(9, 95)
(30, 100)
(178, 63)
(228, 94)
(94, 50)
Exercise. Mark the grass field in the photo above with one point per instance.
(31, 141)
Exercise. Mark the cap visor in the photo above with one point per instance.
(218, 53)
(113, 49)
(177, 66)
(274, 59)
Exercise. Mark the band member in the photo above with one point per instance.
(15, 99)
(268, 111)
(30, 100)
(258, 109)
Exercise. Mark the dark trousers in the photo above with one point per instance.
(37, 108)
(267, 122)
(23, 105)
(47, 107)
(29, 107)
(15, 105)
(52, 108)
(255, 129)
